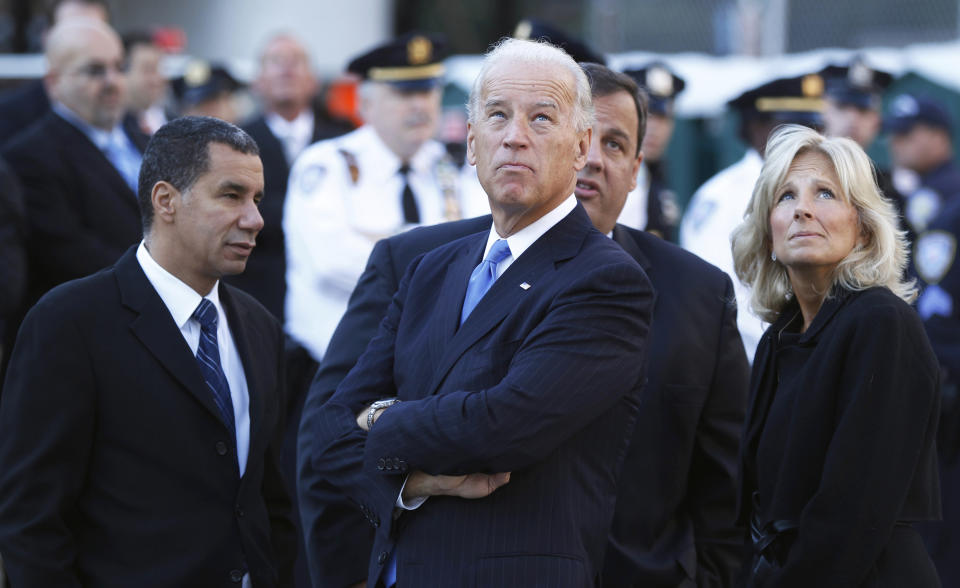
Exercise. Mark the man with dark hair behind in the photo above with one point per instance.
(144, 404)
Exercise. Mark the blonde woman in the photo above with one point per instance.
(838, 454)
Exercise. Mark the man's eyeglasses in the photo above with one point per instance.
(99, 71)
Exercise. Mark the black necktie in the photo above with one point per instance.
(410, 212)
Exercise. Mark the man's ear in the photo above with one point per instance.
(582, 149)
(636, 170)
(471, 154)
(165, 199)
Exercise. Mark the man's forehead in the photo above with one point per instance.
(539, 87)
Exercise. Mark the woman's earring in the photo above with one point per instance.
(773, 255)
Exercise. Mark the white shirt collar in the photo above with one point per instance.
(180, 299)
(301, 126)
(525, 237)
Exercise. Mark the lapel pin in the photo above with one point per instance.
(525, 286)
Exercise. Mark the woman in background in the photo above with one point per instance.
(838, 456)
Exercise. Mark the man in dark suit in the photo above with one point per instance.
(674, 521)
(78, 165)
(517, 378)
(673, 525)
(143, 406)
(289, 123)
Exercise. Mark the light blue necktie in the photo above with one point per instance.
(208, 357)
(124, 157)
(483, 277)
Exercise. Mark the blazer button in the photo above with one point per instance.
(236, 576)
(381, 463)
(239, 511)
(382, 558)
(221, 448)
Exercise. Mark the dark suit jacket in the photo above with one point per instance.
(265, 276)
(672, 527)
(115, 467)
(337, 539)
(81, 213)
(674, 521)
(541, 380)
(840, 440)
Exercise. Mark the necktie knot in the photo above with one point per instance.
(483, 276)
(404, 169)
(206, 315)
(498, 252)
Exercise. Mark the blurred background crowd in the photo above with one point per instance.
(719, 74)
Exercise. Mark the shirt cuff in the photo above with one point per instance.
(413, 504)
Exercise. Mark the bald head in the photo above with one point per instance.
(85, 70)
(286, 82)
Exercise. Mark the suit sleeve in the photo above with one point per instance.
(47, 418)
(713, 472)
(887, 406)
(338, 539)
(578, 361)
(58, 241)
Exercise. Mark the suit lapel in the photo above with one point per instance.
(562, 241)
(245, 335)
(154, 327)
(89, 157)
(630, 243)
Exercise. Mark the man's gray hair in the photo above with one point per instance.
(539, 52)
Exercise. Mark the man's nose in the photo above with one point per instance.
(595, 155)
(516, 136)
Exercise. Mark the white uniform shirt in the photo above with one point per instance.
(331, 222)
(714, 212)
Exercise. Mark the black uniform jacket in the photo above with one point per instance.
(840, 441)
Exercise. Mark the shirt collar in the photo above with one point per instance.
(99, 137)
(381, 157)
(525, 237)
(301, 126)
(180, 299)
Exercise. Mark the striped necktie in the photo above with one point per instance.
(208, 358)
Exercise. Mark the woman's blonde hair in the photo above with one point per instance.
(878, 260)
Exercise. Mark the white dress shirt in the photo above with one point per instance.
(181, 300)
(294, 134)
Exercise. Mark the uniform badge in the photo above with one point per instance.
(934, 253)
(311, 178)
(934, 300)
(922, 206)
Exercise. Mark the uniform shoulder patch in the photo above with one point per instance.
(934, 253)
(922, 206)
(311, 177)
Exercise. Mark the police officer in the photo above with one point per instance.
(652, 205)
(718, 205)
(346, 193)
(206, 89)
(921, 142)
(852, 108)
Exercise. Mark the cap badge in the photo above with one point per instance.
(812, 86)
(419, 50)
(659, 81)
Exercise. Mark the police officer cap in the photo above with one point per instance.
(907, 110)
(856, 84)
(794, 100)
(660, 84)
(411, 62)
(202, 81)
(535, 30)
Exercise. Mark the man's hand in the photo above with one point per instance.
(420, 484)
(362, 417)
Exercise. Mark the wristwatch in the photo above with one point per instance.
(379, 404)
